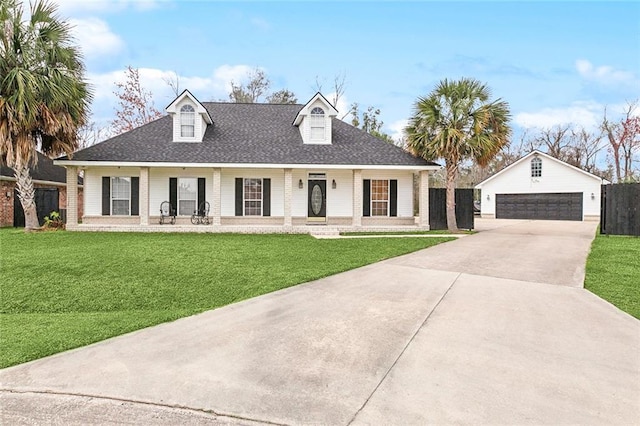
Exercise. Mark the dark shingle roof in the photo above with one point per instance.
(44, 170)
(249, 133)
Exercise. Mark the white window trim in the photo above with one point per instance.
(183, 116)
(180, 199)
(317, 121)
(538, 168)
(388, 200)
(112, 198)
(244, 198)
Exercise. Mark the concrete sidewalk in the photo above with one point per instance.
(439, 336)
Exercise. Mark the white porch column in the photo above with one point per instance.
(72, 196)
(144, 196)
(288, 194)
(423, 200)
(217, 196)
(357, 198)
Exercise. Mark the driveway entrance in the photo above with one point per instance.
(493, 328)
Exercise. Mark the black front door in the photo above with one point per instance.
(317, 205)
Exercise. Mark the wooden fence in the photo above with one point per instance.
(438, 208)
(620, 209)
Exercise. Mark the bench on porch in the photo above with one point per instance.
(167, 213)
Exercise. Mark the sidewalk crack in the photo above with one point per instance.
(384, 377)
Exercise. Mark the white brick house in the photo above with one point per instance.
(260, 167)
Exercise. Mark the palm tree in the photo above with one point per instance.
(457, 122)
(43, 95)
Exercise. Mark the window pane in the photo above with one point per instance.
(536, 167)
(186, 207)
(317, 132)
(379, 208)
(120, 207)
(120, 194)
(253, 197)
(187, 196)
(379, 197)
(187, 121)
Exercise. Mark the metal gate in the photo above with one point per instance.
(46, 202)
(438, 208)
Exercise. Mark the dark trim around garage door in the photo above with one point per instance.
(545, 206)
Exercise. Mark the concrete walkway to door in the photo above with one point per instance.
(493, 328)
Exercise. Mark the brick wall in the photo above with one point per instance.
(6, 204)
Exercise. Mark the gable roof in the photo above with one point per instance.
(172, 108)
(44, 170)
(305, 108)
(536, 152)
(247, 134)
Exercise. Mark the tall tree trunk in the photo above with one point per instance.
(26, 195)
(452, 179)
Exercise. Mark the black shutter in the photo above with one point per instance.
(135, 196)
(393, 198)
(266, 197)
(239, 188)
(202, 195)
(366, 197)
(173, 194)
(106, 195)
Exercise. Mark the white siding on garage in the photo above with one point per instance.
(556, 178)
(93, 186)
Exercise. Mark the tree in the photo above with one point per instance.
(369, 121)
(282, 96)
(250, 92)
(256, 87)
(624, 141)
(456, 122)
(135, 104)
(45, 98)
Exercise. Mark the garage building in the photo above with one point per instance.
(539, 186)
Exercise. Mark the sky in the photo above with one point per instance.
(553, 62)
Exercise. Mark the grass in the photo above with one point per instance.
(430, 232)
(62, 290)
(613, 271)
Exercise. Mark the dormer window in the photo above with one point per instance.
(187, 121)
(536, 167)
(317, 123)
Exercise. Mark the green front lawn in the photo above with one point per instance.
(61, 290)
(613, 271)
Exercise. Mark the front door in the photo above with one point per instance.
(317, 205)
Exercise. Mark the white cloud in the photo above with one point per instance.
(585, 114)
(95, 37)
(396, 129)
(603, 74)
(205, 88)
(225, 74)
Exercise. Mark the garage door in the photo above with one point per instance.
(555, 206)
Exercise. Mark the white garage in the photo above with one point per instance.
(539, 186)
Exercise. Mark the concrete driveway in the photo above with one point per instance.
(493, 328)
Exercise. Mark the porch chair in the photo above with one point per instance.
(167, 213)
(201, 217)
